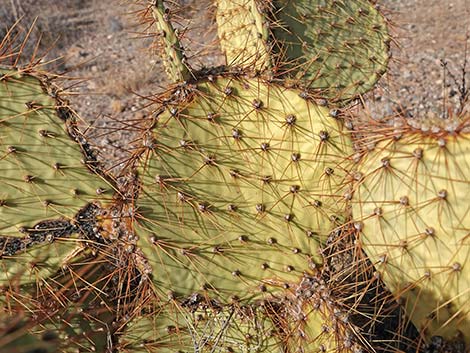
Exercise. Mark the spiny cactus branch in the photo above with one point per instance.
(173, 55)
(243, 30)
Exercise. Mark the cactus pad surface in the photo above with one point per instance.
(243, 33)
(173, 328)
(340, 47)
(241, 181)
(305, 320)
(44, 172)
(411, 205)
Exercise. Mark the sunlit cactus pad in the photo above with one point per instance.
(241, 182)
(243, 33)
(412, 207)
(339, 46)
(44, 175)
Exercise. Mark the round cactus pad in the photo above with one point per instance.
(339, 46)
(43, 173)
(412, 206)
(241, 182)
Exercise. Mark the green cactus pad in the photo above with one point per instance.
(411, 204)
(43, 170)
(172, 328)
(243, 33)
(241, 182)
(173, 53)
(340, 47)
(306, 320)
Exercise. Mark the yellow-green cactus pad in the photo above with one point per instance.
(241, 182)
(172, 328)
(340, 47)
(172, 51)
(243, 33)
(411, 203)
(50, 186)
(307, 320)
(44, 172)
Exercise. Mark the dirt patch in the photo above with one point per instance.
(428, 73)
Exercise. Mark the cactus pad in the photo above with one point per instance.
(340, 47)
(37, 263)
(411, 204)
(172, 328)
(241, 181)
(243, 33)
(306, 320)
(44, 173)
(172, 53)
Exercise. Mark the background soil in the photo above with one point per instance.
(101, 43)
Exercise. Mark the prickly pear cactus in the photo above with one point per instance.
(241, 182)
(207, 327)
(46, 174)
(242, 177)
(306, 319)
(340, 47)
(49, 182)
(53, 197)
(411, 205)
(173, 52)
(243, 32)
